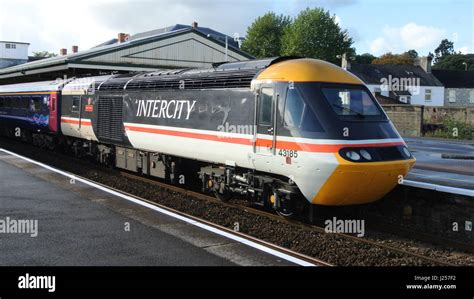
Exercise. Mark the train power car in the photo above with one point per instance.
(285, 132)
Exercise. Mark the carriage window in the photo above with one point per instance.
(36, 104)
(294, 107)
(75, 104)
(8, 102)
(17, 102)
(25, 102)
(265, 109)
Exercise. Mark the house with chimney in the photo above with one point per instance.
(458, 87)
(175, 47)
(401, 84)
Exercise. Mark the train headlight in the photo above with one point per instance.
(365, 154)
(352, 155)
(406, 152)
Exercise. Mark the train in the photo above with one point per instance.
(287, 133)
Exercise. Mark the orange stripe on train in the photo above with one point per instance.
(289, 145)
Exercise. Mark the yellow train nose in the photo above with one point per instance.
(358, 183)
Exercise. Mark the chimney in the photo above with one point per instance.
(63, 52)
(194, 25)
(424, 62)
(122, 37)
(345, 63)
(75, 49)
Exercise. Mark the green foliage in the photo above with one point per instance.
(44, 54)
(314, 33)
(412, 53)
(389, 58)
(265, 34)
(455, 62)
(444, 49)
(453, 129)
(365, 58)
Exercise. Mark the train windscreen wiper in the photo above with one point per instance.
(349, 109)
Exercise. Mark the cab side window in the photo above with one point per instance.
(266, 107)
(297, 114)
(75, 104)
(294, 107)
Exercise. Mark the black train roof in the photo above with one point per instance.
(221, 75)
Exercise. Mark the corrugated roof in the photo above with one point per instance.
(204, 30)
(455, 79)
(374, 73)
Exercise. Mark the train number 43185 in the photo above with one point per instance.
(288, 153)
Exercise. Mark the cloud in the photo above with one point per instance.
(464, 50)
(47, 26)
(410, 36)
(379, 46)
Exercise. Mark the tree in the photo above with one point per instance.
(265, 34)
(413, 54)
(44, 54)
(315, 33)
(389, 58)
(444, 49)
(455, 62)
(365, 58)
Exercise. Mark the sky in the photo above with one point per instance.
(376, 26)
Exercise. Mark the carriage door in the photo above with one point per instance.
(265, 135)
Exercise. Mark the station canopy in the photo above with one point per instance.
(179, 46)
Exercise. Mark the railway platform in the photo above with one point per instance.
(80, 225)
(443, 162)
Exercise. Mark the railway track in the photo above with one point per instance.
(280, 219)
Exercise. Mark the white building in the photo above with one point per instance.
(409, 84)
(13, 53)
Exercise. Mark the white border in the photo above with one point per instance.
(439, 188)
(171, 214)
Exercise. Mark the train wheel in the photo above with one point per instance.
(221, 192)
(284, 208)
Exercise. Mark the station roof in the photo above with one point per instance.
(147, 51)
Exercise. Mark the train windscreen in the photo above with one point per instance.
(351, 101)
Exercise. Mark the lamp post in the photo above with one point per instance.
(465, 65)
